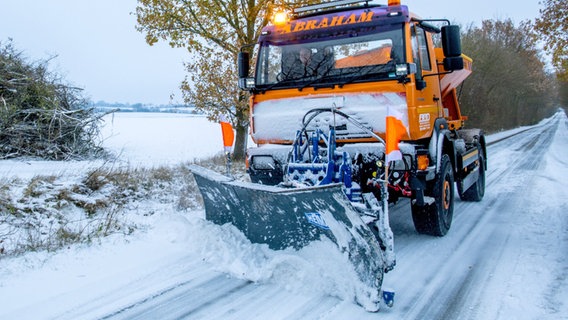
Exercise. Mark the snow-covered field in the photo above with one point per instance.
(504, 258)
(138, 139)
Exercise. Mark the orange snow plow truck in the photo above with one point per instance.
(326, 79)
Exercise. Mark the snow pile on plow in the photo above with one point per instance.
(292, 218)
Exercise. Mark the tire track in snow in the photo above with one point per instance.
(117, 294)
(182, 300)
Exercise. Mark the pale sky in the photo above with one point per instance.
(98, 48)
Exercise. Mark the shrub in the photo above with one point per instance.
(40, 116)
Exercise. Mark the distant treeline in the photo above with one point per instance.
(103, 106)
(510, 85)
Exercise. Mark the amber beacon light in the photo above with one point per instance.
(394, 2)
(280, 18)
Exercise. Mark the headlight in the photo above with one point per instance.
(405, 69)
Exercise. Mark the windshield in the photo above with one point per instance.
(336, 61)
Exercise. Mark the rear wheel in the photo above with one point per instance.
(435, 217)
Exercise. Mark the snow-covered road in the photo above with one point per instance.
(504, 258)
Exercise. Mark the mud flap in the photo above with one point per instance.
(294, 217)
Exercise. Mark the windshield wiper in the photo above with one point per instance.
(311, 81)
(367, 70)
(318, 79)
(285, 81)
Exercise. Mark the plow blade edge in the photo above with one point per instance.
(293, 217)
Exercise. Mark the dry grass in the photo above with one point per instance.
(50, 212)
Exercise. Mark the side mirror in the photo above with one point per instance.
(245, 83)
(451, 45)
(451, 41)
(243, 64)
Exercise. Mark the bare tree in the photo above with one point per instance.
(213, 32)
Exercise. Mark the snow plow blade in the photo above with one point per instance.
(293, 217)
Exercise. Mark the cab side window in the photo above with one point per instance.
(420, 48)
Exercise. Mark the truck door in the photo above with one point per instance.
(427, 94)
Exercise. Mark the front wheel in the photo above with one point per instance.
(435, 217)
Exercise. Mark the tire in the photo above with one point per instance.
(435, 218)
(477, 190)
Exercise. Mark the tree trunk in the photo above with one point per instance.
(239, 152)
(241, 138)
